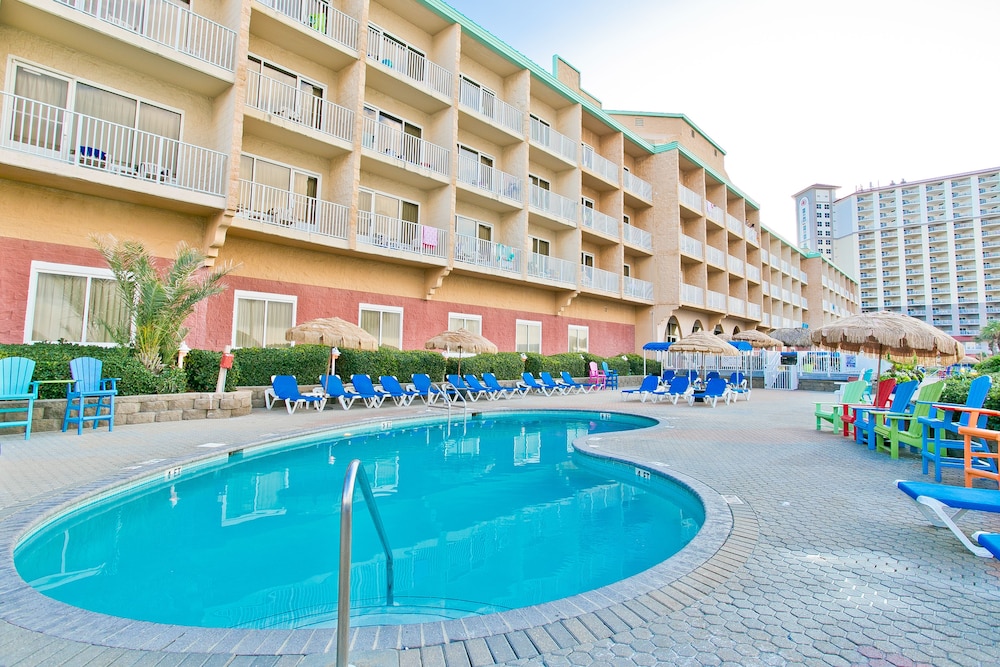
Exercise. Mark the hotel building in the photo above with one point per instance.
(384, 161)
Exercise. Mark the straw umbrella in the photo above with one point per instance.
(704, 342)
(462, 340)
(883, 333)
(334, 332)
(793, 337)
(757, 339)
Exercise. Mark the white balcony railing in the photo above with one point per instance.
(765, 287)
(736, 305)
(735, 265)
(551, 268)
(550, 202)
(753, 311)
(690, 198)
(55, 133)
(636, 236)
(691, 246)
(473, 172)
(394, 234)
(692, 294)
(765, 319)
(280, 99)
(734, 224)
(486, 103)
(715, 300)
(400, 58)
(601, 222)
(321, 17)
(169, 24)
(713, 212)
(487, 254)
(638, 289)
(753, 273)
(637, 186)
(387, 140)
(545, 136)
(590, 159)
(715, 256)
(288, 210)
(598, 279)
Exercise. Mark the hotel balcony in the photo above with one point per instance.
(402, 157)
(155, 37)
(310, 28)
(753, 311)
(488, 256)
(598, 279)
(737, 306)
(689, 199)
(735, 225)
(599, 172)
(735, 265)
(429, 87)
(48, 145)
(715, 257)
(715, 301)
(715, 213)
(753, 273)
(599, 222)
(488, 186)
(552, 269)
(558, 151)
(275, 211)
(692, 247)
(637, 191)
(401, 238)
(692, 295)
(637, 289)
(552, 208)
(637, 237)
(492, 118)
(290, 117)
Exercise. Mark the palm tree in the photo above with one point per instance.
(990, 334)
(156, 304)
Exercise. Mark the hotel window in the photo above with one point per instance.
(475, 168)
(627, 270)
(76, 304)
(395, 53)
(528, 337)
(378, 214)
(280, 193)
(579, 338)
(473, 323)
(539, 246)
(260, 319)
(540, 130)
(391, 135)
(284, 93)
(478, 97)
(383, 322)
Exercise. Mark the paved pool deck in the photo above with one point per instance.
(810, 555)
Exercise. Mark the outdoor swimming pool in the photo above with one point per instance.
(483, 515)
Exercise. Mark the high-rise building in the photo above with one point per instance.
(814, 218)
(388, 163)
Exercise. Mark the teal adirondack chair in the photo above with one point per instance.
(89, 392)
(16, 386)
(833, 411)
(893, 428)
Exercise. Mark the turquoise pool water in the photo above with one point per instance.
(485, 515)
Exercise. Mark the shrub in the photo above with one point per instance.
(990, 365)
(956, 390)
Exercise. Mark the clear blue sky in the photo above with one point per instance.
(796, 93)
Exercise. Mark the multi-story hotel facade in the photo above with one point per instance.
(386, 162)
(926, 248)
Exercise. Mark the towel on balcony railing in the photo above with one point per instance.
(429, 236)
(505, 253)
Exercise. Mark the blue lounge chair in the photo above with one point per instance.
(739, 385)
(677, 389)
(334, 388)
(581, 387)
(529, 383)
(715, 389)
(667, 376)
(89, 391)
(457, 385)
(16, 386)
(648, 388)
(507, 392)
(943, 505)
(940, 422)
(550, 382)
(285, 388)
(866, 418)
(475, 385)
(427, 390)
(989, 541)
(400, 396)
(610, 375)
(369, 394)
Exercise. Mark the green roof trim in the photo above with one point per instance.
(679, 116)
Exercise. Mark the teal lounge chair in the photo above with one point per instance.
(611, 375)
(943, 505)
(89, 392)
(16, 386)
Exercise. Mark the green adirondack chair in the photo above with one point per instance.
(832, 412)
(895, 428)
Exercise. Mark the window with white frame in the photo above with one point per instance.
(76, 304)
(279, 193)
(473, 323)
(528, 337)
(579, 338)
(283, 92)
(261, 319)
(383, 322)
(391, 135)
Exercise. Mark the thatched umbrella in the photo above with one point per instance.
(883, 333)
(462, 340)
(334, 332)
(704, 342)
(757, 339)
(793, 337)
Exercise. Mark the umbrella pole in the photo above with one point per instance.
(460, 362)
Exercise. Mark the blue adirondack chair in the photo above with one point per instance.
(611, 375)
(16, 386)
(90, 391)
(940, 422)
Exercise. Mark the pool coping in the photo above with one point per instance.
(713, 555)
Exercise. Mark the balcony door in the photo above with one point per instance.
(279, 193)
(38, 113)
(475, 168)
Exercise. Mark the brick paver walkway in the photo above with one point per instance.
(812, 558)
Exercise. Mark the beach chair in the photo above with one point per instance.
(940, 423)
(369, 394)
(529, 383)
(507, 392)
(989, 541)
(893, 429)
(943, 505)
(611, 375)
(285, 388)
(667, 375)
(456, 384)
(546, 378)
(882, 399)
(475, 385)
(980, 458)
(715, 389)
(400, 396)
(16, 386)
(739, 385)
(866, 418)
(580, 387)
(427, 390)
(831, 411)
(678, 388)
(597, 376)
(89, 391)
(648, 388)
(333, 387)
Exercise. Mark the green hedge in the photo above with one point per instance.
(956, 390)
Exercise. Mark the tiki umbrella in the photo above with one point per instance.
(462, 340)
(706, 343)
(757, 339)
(889, 333)
(334, 332)
(793, 337)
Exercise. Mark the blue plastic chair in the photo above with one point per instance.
(611, 375)
(739, 385)
(649, 388)
(363, 385)
(285, 388)
(551, 383)
(668, 375)
(427, 390)
(507, 392)
(89, 391)
(476, 386)
(334, 388)
(16, 385)
(400, 396)
(529, 383)
(940, 422)
(715, 389)
(571, 383)
(866, 418)
(677, 389)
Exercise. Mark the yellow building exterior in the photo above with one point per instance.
(385, 162)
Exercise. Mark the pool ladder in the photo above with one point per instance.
(355, 475)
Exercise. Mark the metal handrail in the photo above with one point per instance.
(355, 473)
